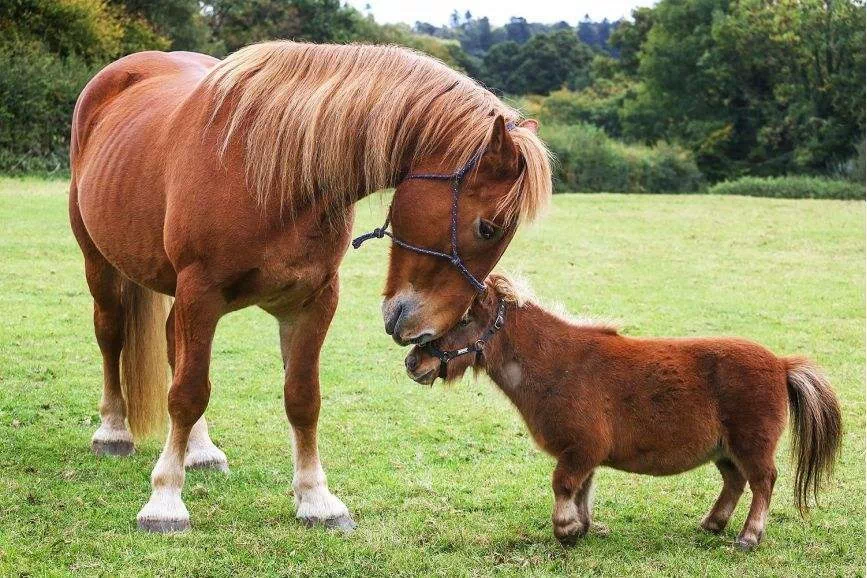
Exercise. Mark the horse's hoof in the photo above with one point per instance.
(712, 526)
(218, 465)
(163, 526)
(120, 448)
(568, 540)
(746, 544)
(343, 524)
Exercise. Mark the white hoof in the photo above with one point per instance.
(318, 506)
(207, 457)
(107, 441)
(165, 512)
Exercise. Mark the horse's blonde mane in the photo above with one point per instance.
(320, 122)
(518, 291)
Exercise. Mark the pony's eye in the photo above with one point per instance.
(487, 230)
(464, 321)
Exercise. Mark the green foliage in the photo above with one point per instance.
(588, 160)
(599, 105)
(799, 187)
(753, 87)
(544, 63)
(37, 96)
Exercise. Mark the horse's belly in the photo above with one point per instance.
(122, 205)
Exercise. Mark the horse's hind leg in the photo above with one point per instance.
(733, 486)
(301, 338)
(112, 437)
(198, 306)
(201, 451)
(762, 474)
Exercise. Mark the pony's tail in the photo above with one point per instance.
(816, 426)
(144, 361)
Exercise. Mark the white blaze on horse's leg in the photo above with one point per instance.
(165, 511)
(201, 451)
(313, 501)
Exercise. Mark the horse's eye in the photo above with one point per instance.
(464, 321)
(486, 230)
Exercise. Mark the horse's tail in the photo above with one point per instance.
(144, 361)
(816, 426)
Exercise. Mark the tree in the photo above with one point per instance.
(627, 38)
(753, 87)
(517, 30)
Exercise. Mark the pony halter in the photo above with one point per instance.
(477, 347)
(454, 257)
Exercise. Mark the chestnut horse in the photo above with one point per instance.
(225, 184)
(592, 397)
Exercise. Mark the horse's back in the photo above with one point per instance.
(118, 155)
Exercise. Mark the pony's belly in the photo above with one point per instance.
(666, 461)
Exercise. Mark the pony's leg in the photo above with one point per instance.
(112, 437)
(201, 451)
(301, 338)
(196, 311)
(733, 486)
(762, 477)
(571, 516)
(584, 502)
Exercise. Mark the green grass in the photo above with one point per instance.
(441, 481)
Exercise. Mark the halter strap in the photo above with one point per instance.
(454, 256)
(477, 347)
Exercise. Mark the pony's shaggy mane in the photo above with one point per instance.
(318, 121)
(518, 291)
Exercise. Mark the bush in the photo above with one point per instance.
(588, 160)
(599, 106)
(37, 95)
(790, 188)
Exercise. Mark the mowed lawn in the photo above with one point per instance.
(442, 481)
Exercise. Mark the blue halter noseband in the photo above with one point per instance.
(454, 257)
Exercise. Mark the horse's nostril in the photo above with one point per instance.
(393, 317)
(411, 362)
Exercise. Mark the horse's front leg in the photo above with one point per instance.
(301, 338)
(201, 451)
(197, 308)
(572, 483)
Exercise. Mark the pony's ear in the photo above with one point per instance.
(501, 150)
(530, 124)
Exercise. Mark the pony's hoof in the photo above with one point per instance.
(746, 544)
(163, 526)
(343, 524)
(120, 448)
(712, 526)
(569, 534)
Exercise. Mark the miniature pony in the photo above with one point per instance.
(592, 397)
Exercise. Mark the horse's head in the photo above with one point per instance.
(426, 294)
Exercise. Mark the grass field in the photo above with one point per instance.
(441, 481)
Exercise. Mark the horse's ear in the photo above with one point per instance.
(501, 150)
(530, 124)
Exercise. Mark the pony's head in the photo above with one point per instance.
(426, 294)
(483, 320)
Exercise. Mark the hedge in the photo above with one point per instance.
(798, 187)
(588, 160)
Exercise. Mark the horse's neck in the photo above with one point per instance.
(521, 369)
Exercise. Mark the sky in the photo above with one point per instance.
(498, 11)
